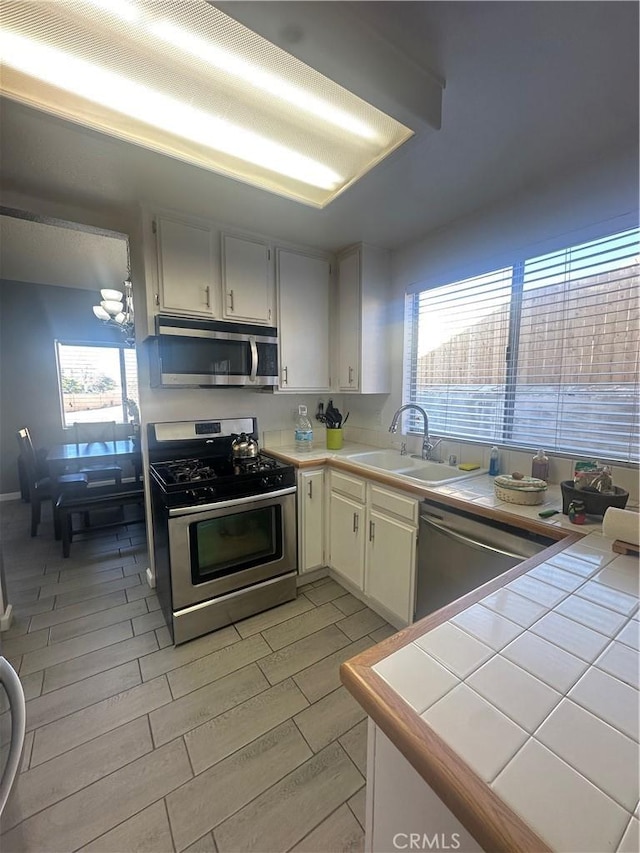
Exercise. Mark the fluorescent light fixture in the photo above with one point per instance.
(184, 79)
(140, 102)
(248, 72)
(119, 8)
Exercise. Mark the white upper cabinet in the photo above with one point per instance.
(188, 268)
(303, 321)
(247, 280)
(362, 320)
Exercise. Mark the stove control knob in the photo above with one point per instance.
(192, 494)
(278, 479)
(208, 492)
(266, 482)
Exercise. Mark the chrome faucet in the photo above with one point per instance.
(427, 447)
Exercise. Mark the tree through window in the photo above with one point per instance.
(95, 382)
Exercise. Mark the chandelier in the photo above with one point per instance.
(116, 309)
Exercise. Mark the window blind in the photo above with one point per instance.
(543, 353)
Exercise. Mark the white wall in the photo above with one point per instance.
(569, 207)
(275, 412)
(551, 215)
(62, 256)
(561, 206)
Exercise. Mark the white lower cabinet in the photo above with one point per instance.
(372, 543)
(310, 520)
(347, 519)
(403, 812)
(390, 564)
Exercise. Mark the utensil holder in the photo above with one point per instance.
(334, 439)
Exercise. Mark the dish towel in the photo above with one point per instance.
(621, 524)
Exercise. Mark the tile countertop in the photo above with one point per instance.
(519, 703)
(526, 690)
(475, 493)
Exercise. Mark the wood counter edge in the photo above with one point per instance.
(482, 812)
(494, 825)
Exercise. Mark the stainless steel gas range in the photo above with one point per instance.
(224, 528)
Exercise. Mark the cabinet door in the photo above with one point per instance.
(402, 806)
(349, 326)
(347, 539)
(391, 564)
(303, 324)
(186, 268)
(247, 283)
(311, 529)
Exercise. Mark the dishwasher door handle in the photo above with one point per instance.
(466, 540)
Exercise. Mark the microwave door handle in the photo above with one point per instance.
(254, 357)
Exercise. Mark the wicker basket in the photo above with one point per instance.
(526, 492)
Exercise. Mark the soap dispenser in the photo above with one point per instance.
(540, 466)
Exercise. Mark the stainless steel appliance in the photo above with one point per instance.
(224, 528)
(458, 552)
(204, 353)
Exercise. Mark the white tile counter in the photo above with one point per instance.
(535, 687)
(475, 490)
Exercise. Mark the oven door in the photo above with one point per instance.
(227, 546)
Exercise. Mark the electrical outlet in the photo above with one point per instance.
(377, 417)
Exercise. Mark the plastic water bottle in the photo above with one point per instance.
(304, 432)
(494, 462)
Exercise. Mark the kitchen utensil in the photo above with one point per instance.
(243, 446)
(333, 416)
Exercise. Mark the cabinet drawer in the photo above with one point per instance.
(350, 486)
(395, 503)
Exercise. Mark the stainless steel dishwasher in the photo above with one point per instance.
(458, 552)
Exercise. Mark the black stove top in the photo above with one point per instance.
(183, 473)
(192, 463)
(212, 478)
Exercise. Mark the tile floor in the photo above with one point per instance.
(240, 740)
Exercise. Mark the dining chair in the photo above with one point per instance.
(98, 432)
(40, 485)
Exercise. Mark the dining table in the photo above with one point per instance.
(62, 458)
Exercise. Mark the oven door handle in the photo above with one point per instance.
(254, 357)
(249, 499)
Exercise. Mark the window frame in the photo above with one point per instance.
(121, 347)
(511, 385)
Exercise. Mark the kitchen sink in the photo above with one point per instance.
(426, 471)
(388, 460)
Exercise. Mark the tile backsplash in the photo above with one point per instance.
(510, 460)
(560, 468)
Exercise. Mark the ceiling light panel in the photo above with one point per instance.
(184, 79)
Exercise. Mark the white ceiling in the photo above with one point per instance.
(533, 90)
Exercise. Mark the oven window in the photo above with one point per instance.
(230, 543)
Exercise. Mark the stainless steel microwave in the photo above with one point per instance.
(206, 353)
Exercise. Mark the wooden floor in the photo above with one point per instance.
(241, 740)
